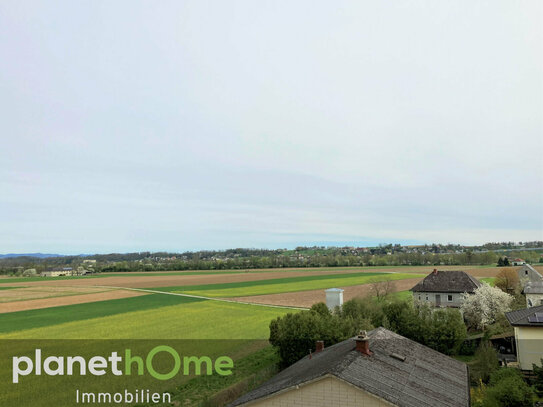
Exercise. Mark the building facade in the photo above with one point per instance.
(445, 288)
(528, 324)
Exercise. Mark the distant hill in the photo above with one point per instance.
(38, 255)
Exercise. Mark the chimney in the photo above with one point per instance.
(319, 346)
(435, 271)
(363, 343)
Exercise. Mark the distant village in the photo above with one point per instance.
(315, 256)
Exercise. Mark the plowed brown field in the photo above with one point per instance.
(308, 298)
(67, 300)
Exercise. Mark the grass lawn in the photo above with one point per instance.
(489, 280)
(3, 287)
(401, 295)
(188, 320)
(286, 285)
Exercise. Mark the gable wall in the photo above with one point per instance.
(327, 392)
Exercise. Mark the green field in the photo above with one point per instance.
(192, 326)
(8, 288)
(286, 285)
(21, 320)
(186, 320)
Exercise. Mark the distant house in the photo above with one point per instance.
(445, 288)
(533, 290)
(517, 262)
(374, 370)
(528, 324)
(65, 271)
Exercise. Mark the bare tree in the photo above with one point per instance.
(381, 289)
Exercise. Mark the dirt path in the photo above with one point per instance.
(308, 298)
(67, 300)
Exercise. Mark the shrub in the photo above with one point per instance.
(295, 334)
(484, 364)
(507, 388)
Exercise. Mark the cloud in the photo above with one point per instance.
(188, 125)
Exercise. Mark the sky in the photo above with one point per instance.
(185, 125)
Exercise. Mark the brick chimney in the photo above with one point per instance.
(435, 271)
(363, 343)
(319, 346)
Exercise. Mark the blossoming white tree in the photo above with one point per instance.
(485, 305)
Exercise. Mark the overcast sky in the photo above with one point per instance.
(182, 125)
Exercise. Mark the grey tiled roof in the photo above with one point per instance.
(520, 317)
(425, 379)
(448, 282)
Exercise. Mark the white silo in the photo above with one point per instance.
(334, 298)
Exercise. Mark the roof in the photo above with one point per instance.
(533, 287)
(525, 317)
(426, 378)
(448, 282)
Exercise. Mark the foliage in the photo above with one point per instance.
(361, 309)
(321, 309)
(439, 329)
(538, 373)
(508, 281)
(444, 331)
(478, 394)
(503, 262)
(294, 335)
(404, 319)
(382, 289)
(485, 305)
(507, 388)
(317, 256)
(484, 364)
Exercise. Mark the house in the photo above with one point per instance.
(532, 282)
(533, 290)
(445, 288)
(65, 271)
(517, 262)
(528, 274)
(528, 324)
(376, 369)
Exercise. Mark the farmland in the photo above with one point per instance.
(154, 319)
(79, 311)
(288, 285)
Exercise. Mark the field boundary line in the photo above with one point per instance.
(203, 298)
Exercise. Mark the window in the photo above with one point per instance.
(419, 297)
(426, 298)
(525, 272)
(449, 298)
(529, 302)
